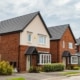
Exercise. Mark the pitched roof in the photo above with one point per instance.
(57, 31)
(18, 24)
(78, 41)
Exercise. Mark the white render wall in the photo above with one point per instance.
(36, 27)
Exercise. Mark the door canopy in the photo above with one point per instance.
(66, 54)
(31, 50)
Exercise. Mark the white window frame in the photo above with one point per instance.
(44, 59)
(43, 40)
(63, 44)
(75, 61)
(70, 45)
(29, 33)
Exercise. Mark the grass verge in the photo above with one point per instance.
(70, 73)
(20, 78)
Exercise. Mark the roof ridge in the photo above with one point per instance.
(19, 16)
(64, 25)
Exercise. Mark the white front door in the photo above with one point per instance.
(64, 61)
(28, 62)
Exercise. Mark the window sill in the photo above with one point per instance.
(29, 42)
(74, 63)
(42, 44)
(43, 64)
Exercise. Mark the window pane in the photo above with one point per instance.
(42, 39)
(29, 37)
(74, 60)
(71, 45)
(45, 58)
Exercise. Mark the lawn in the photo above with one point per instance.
(70, 73)
(16, 79)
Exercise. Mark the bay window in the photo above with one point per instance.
(44, 58)
(74, 59)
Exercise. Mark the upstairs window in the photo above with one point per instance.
(29, 36)
(70, 45)
(42, 39)
(63, 44)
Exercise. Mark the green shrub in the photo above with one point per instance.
(53, 67)
(5, 68)
(34, 69)
(75, 68)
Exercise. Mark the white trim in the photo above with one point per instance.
(44, 59)
(43, 37)
(70, 44)
(74, 59)
(29, 33)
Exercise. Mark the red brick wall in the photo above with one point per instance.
(23, 57)
(56, 47)
(9, 47)
(78, 48)
(67, 37)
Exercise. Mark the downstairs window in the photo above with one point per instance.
(74, 60)
(44, 59)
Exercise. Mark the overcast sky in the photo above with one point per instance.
(54, 12)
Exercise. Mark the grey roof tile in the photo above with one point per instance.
(16, 24)
(57, 31)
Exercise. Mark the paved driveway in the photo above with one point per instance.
(41, 76)
(72, 78)
(35, 76)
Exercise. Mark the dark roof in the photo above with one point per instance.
(78, 41)
(66, 54)
(18, 24)
(58, 31)
(31, 50)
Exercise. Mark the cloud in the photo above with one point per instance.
(54, 12)
(77, 6)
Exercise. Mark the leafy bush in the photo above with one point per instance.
(75, 68)
(53, 67)
(5, 68)
(34, 69)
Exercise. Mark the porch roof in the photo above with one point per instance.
(31, 50)
(66, 54)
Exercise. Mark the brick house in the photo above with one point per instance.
(25, 41)
(78, 49)
(78, 44)
(62, 45)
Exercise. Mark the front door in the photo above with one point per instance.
(28, 62)
(64, 61)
